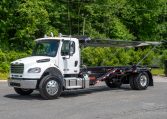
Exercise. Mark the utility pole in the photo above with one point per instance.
(83, 33)
(164, 13)
(79, 9)
(69, 19)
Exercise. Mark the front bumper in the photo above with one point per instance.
(23, 83)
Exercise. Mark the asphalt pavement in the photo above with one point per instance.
(94, 103)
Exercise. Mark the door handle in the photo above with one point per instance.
(76, 63)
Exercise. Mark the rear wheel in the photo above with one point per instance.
(139, 81)
(111, 84)
(50, 87)
(132, 82)
(22, 91)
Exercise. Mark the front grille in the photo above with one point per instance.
(17, 68)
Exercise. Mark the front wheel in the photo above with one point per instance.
(50, 87)
(22, 91)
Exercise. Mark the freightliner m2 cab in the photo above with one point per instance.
(55, 66)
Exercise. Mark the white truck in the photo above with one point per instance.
(55, 66)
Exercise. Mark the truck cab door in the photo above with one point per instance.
(70, 56)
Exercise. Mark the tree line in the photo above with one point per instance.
(22, 21)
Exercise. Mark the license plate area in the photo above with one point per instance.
(14, 84)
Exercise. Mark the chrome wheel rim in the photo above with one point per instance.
(143, 80)
(52, 87)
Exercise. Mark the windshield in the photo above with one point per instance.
(46, 48)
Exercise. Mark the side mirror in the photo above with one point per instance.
(71, 53)
(72, 48)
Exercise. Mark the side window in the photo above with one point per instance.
(65, 48)
(68, 47)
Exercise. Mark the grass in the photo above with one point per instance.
(158, 72)
(4, 76)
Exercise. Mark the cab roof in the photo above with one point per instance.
(55, 38)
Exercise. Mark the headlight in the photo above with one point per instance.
(34, 70)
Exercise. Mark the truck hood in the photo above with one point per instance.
(33, 59)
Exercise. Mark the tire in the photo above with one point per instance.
(23, 91)
(110, 84)
(50, 87)
(140, 81)
(132, 83)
